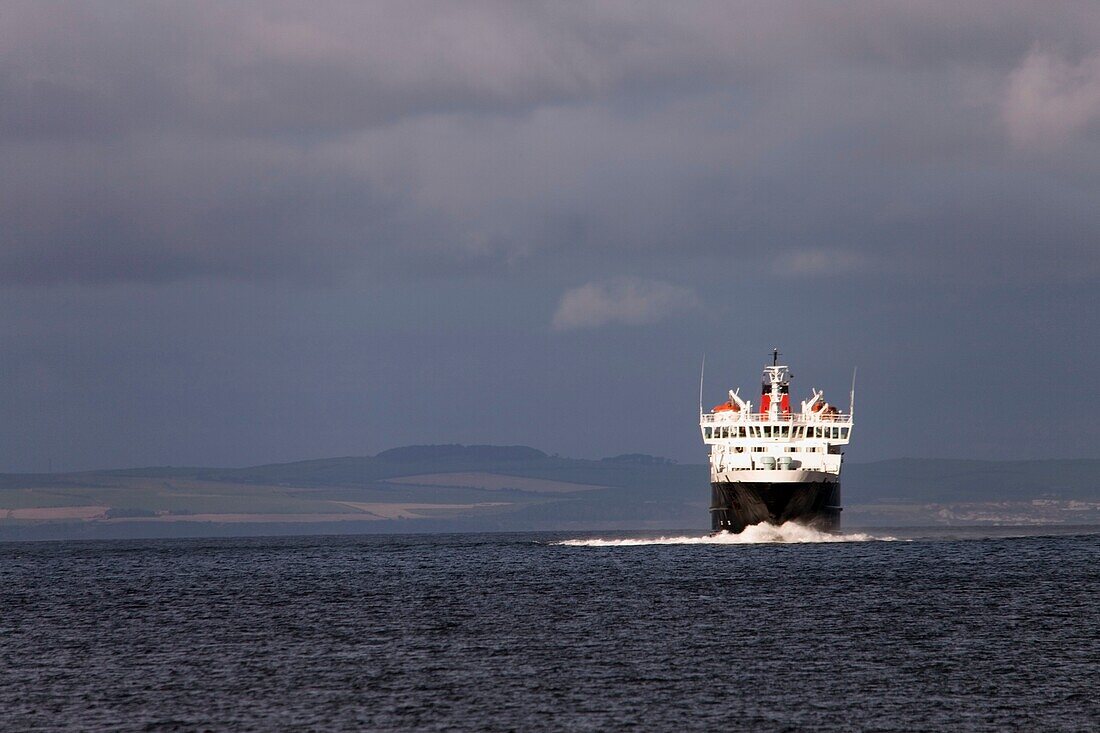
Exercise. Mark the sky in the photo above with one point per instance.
(250, 232)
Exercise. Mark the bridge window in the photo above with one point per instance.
(767, 431)
(742, 431)
(706, 433)
(844, 433)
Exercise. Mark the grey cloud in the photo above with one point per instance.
(284, 68)
(819, 263)
(1051, 100)
(256, 140)
(623, 301)
(164, 212)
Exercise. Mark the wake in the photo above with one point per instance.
(789, 533)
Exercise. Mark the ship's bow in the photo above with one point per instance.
(736, 505)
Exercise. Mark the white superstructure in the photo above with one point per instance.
(771, 443)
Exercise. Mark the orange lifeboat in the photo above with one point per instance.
(726, 406)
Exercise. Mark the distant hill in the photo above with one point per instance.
(434, 453)
(484, 487)
(642, 459)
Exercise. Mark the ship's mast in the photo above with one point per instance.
(777, 378)
(702, 371)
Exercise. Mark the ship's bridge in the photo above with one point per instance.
(772, 437)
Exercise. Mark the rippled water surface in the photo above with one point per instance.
(529, 632)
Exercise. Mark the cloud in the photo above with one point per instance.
(271, 140)
(818, 262)
(1050, 100)
(110, 69)
(627, 301)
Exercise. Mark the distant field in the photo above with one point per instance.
(419, 511)
(55, 513)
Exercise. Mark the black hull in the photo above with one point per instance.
(734, 506)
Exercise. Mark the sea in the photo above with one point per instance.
(778, 629)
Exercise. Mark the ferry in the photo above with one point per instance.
(772, 464)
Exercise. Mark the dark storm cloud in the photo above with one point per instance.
(285, 68)
(157, 141)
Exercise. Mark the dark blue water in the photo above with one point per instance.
(511, 632)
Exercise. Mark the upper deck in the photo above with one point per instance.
(773, 436)
(752, 428)
(796, 418)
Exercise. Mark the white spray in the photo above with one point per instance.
(789, 532)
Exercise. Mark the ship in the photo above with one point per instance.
(772, 464)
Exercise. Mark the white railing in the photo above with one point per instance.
(796, 418)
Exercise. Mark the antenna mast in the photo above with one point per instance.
(852, 395)
(702, 370)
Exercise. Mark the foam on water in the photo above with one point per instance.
(789, 532)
